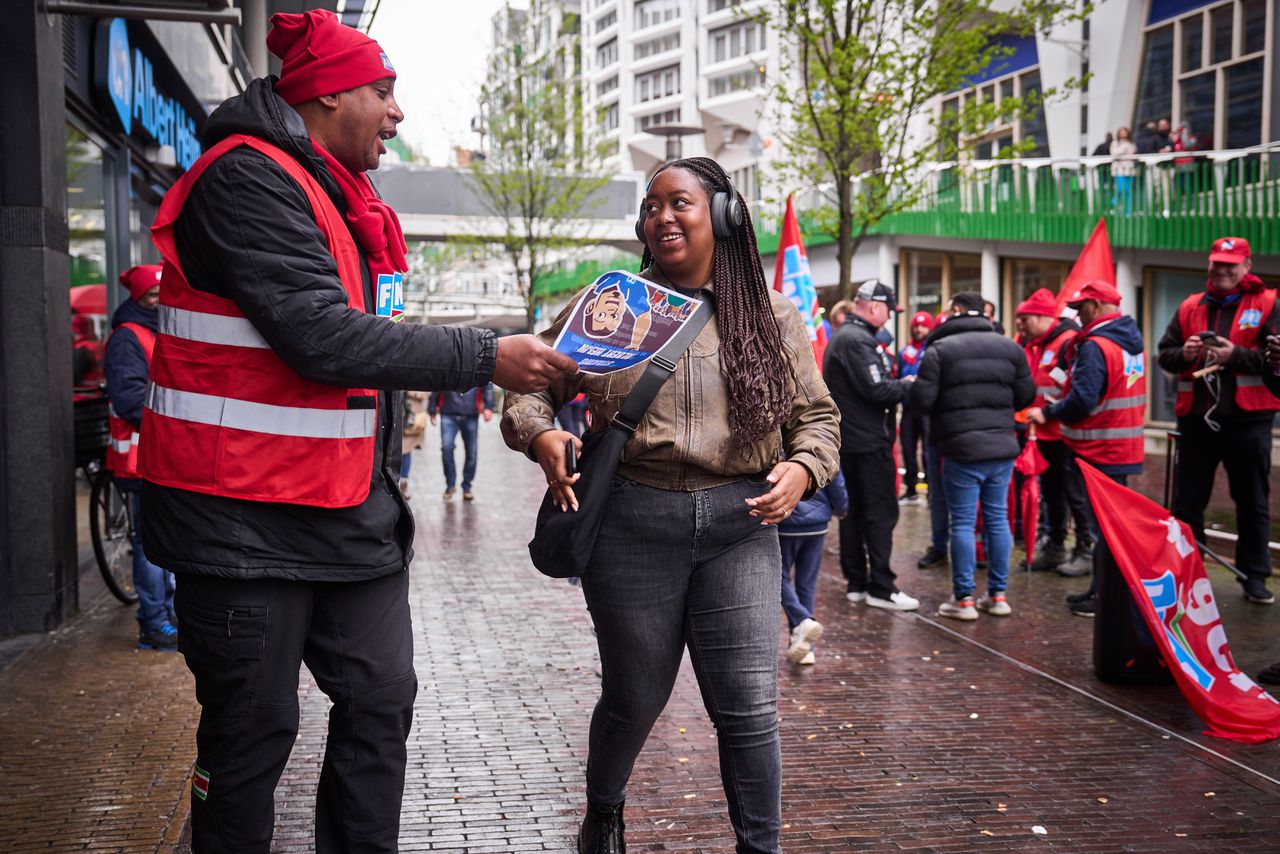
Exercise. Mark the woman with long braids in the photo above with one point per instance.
(687, 554)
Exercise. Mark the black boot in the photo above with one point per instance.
(601, 831)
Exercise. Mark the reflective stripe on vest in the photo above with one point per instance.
(122, 451)
(1193, 315)
(210, 328)
(262, 417)
(1120, 403)
(1047, 390)
(1100, 433)
(1112, 433)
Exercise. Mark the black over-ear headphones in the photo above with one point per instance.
(726, 216)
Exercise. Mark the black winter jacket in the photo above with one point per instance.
(247, 233)
(971, 381)
(859, 375)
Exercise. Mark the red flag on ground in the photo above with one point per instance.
(1094, 264)
(1158, 557)
(792, 279)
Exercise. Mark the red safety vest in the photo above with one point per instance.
(122, 452)
(224, 414)
(1251, 312)
(1043, 358)
(1111, 434)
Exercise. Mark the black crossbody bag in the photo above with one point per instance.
(563, 541)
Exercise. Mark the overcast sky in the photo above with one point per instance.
(438, 48)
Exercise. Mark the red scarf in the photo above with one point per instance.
(373, 223)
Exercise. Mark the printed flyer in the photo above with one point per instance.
(621, 321)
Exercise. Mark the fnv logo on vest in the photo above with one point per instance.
(1250, 318)
(391, 296)
(1135, 368)
(1047, 358)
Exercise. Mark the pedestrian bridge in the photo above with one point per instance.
(437, 204)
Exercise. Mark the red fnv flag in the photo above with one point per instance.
(1159, 559)
(1093, 265)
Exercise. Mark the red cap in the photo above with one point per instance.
(1101, 291)
(1230, 250)
(320, 56)
(140, 279)
(1042, 302)
(922, 318)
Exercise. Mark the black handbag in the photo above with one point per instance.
(563, 541)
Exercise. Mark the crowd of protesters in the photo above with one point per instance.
(1074, 376)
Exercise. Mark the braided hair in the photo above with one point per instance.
(758, 374)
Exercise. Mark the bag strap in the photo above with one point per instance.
(661, 366)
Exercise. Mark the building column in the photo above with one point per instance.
(886, 254)
(38, 571)
(1127, 282)
(991, 276)
(253, 26)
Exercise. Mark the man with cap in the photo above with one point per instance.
(272, 438)
(127, 363)
(971, 382)
(1103, 404)
(1046, 339)
(913, 429)
(1225, 414)
(859, 374)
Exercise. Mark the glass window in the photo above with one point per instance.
(924, 281)
(718, 5)
(736, 82)
(1222, 17)
(1192, 43)
(670, 41)
(1006, 88)
(666, 117)
(607, 53)
(609, 118)
(1169, 289)
(948, 131)
(966, 273)
(1155, 92)
(1244, 104)
(1198, 106)
(1033, 126)
(606, 86)
(1255, 25)
(609, 19)
(652, 12)
(736, 40)
(86, 211)
(1027, 277)
(658, 84)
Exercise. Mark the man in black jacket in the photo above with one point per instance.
(971, 381)
(860, 376)
(266, 585)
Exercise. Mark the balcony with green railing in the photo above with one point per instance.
(1172, 201)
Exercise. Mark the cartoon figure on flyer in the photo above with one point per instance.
(617, 299)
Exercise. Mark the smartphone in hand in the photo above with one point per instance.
(570, 457)
(1208, 337)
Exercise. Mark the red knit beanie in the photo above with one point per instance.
(320, 56)
(1042, 302)
(140, 279)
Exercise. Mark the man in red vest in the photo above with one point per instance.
(1225, 415)
(271, 438)
(1103, 404)
(1047, 338)
(127, 364)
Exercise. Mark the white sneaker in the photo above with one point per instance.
(808, 658)
(898, 601)
(995, 605)
(856, 596)
(959, 609)
(802, 638)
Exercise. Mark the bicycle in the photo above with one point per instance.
(110, 519)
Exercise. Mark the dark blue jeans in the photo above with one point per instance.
(966, 484)
(450, 427)
(805, 554)
(675, 569)
(153, 585)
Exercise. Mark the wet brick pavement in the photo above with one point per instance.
(908, 734)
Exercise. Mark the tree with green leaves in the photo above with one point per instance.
(859, 88)
(540, 173)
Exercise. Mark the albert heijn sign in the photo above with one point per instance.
(139, 91)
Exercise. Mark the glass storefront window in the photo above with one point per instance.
(966, 273)
(924, 281)
(1155, 92)
(86, 210)
(1025, 276)
(1168, 289)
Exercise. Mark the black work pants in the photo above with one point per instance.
(1062, 486)
(866, 532)
(913, 431)
(245, 641)
(1243, 446)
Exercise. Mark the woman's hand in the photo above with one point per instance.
(790, 480)
(548, 448)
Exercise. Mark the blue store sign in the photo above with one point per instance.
(142, 105)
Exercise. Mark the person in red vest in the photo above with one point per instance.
(1103, 404)
(1226, 415)
(127, 362)
(272, 438)
(913, 431)
(1047, 338)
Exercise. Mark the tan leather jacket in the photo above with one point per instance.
(684, 441)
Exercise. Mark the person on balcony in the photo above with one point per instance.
(1122, 153)
(1225, 414)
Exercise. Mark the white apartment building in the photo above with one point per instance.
(691, 71)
